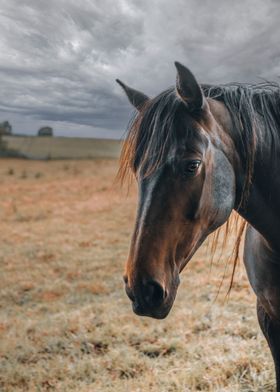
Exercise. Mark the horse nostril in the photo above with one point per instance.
(125, 279)
(129, 293)
(154, 294)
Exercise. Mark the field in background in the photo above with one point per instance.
(46, 147)
(65, 321)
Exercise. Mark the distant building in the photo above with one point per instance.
(45, 131)
(5, 128)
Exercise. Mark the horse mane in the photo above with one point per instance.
(255, 115)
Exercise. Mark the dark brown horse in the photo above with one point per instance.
(199, 152)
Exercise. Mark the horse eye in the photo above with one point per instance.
(192, 167)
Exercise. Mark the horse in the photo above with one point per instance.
(198, 152)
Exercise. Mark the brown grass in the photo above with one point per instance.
(66, 324)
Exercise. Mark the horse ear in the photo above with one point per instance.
(136, 98)
(188, 89)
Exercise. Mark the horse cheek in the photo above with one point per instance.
(222, 189)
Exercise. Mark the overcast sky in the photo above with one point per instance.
(59, 58)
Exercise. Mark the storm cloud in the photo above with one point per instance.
(59, 59)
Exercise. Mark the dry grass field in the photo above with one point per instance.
(66, 323)
(47, 147)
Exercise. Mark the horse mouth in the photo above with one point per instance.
(156, 313)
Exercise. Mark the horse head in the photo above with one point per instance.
(186, 183)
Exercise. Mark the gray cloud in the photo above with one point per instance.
(59, 58)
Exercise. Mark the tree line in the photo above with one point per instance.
(7, 129)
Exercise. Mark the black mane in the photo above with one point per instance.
(254, 110)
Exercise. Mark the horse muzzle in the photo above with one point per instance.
(150, 299)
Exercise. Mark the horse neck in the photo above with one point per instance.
(262, 207)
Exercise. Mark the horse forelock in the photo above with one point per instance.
(151, 135)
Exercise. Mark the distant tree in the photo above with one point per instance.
(45, 131)
(5, 128)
